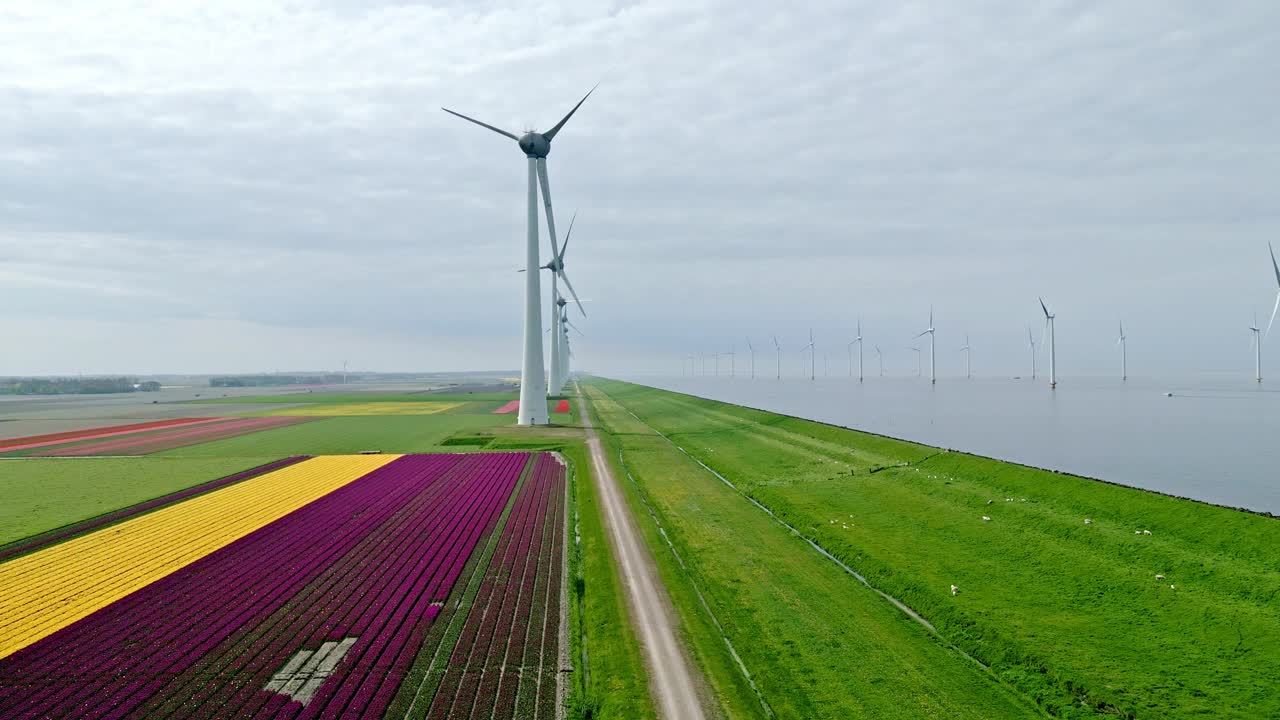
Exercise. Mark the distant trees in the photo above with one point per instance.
(75, 386)
(274, 380)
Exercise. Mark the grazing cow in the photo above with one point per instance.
(986, 519)
(1159, 577)
(955, 590)
(1087, 521)
(1146, 532)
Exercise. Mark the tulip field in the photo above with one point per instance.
(304, 588)
(142, 438)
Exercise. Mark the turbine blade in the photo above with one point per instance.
(1273, 316)
(550, 134)
(546, 204)
(572, 292)
(1274, 264)
(564, 245)
(500, 131)
(926, 332)
(1043, 307)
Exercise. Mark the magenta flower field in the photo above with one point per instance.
(324, 612)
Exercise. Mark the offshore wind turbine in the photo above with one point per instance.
(880, 357)
(809, 347)
(536, 146)
(1123, 342)
(968, 358)
(1031, 343)
(778, 348)
(1053, 345)
(933, 366)
(1257, 348)
(753, 358)
(859, 341)
(1275, 266)
(919, 359)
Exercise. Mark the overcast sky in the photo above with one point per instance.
(245, 185)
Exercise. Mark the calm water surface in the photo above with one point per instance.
(1217, 441)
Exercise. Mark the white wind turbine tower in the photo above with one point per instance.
(880, 357)
(809, 347)
(536, 146)
(778, 348)
(1257, 348)
(933, 374)
(856, 341)
(1031, 343)
(1123, 342)
(753, 358)
(968, 358)
(1053, 345)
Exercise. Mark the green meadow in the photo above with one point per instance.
(46, 493)
(1069, 614)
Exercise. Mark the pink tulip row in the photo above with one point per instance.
(170, 438)
(504, 664)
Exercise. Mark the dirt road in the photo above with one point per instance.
(672, 678)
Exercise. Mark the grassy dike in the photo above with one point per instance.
(1070, 614)
(815, 642)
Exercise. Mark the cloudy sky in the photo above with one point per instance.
(245, 185)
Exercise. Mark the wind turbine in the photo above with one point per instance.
(919, 359)
(1053, 345)
(778, 348)
(733, 358)
(880, 357)
(809, 347)
(859, 341)
(535, 146)
(933, 374)
(559, 366)
(1031, 343)
(1123, 342)
(1257, 347)
(716, 356)
(753, 358)
(968, 358)
(1275, 266)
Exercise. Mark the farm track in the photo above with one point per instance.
(48, 590)
(58, 535)
(250, 628)
(673, 680)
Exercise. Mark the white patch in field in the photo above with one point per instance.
(307, 670)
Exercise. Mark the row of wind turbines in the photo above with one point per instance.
(689, 364)
(536, 380)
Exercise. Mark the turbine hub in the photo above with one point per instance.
(561, 302)
(535, 145)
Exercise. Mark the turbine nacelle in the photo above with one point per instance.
(534, 144)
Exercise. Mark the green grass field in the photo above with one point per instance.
(816, 642)
(1070, 613)
(43, 494)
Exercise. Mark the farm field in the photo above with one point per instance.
(388, 407)
(377, 547)
(1070, 614)
(41, 495)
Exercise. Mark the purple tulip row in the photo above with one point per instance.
(372, 560)
(504, 664)
(56, 536)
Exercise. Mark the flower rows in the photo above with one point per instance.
(505, 661)
(369, 563)
(169, 438)
(71, 436)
